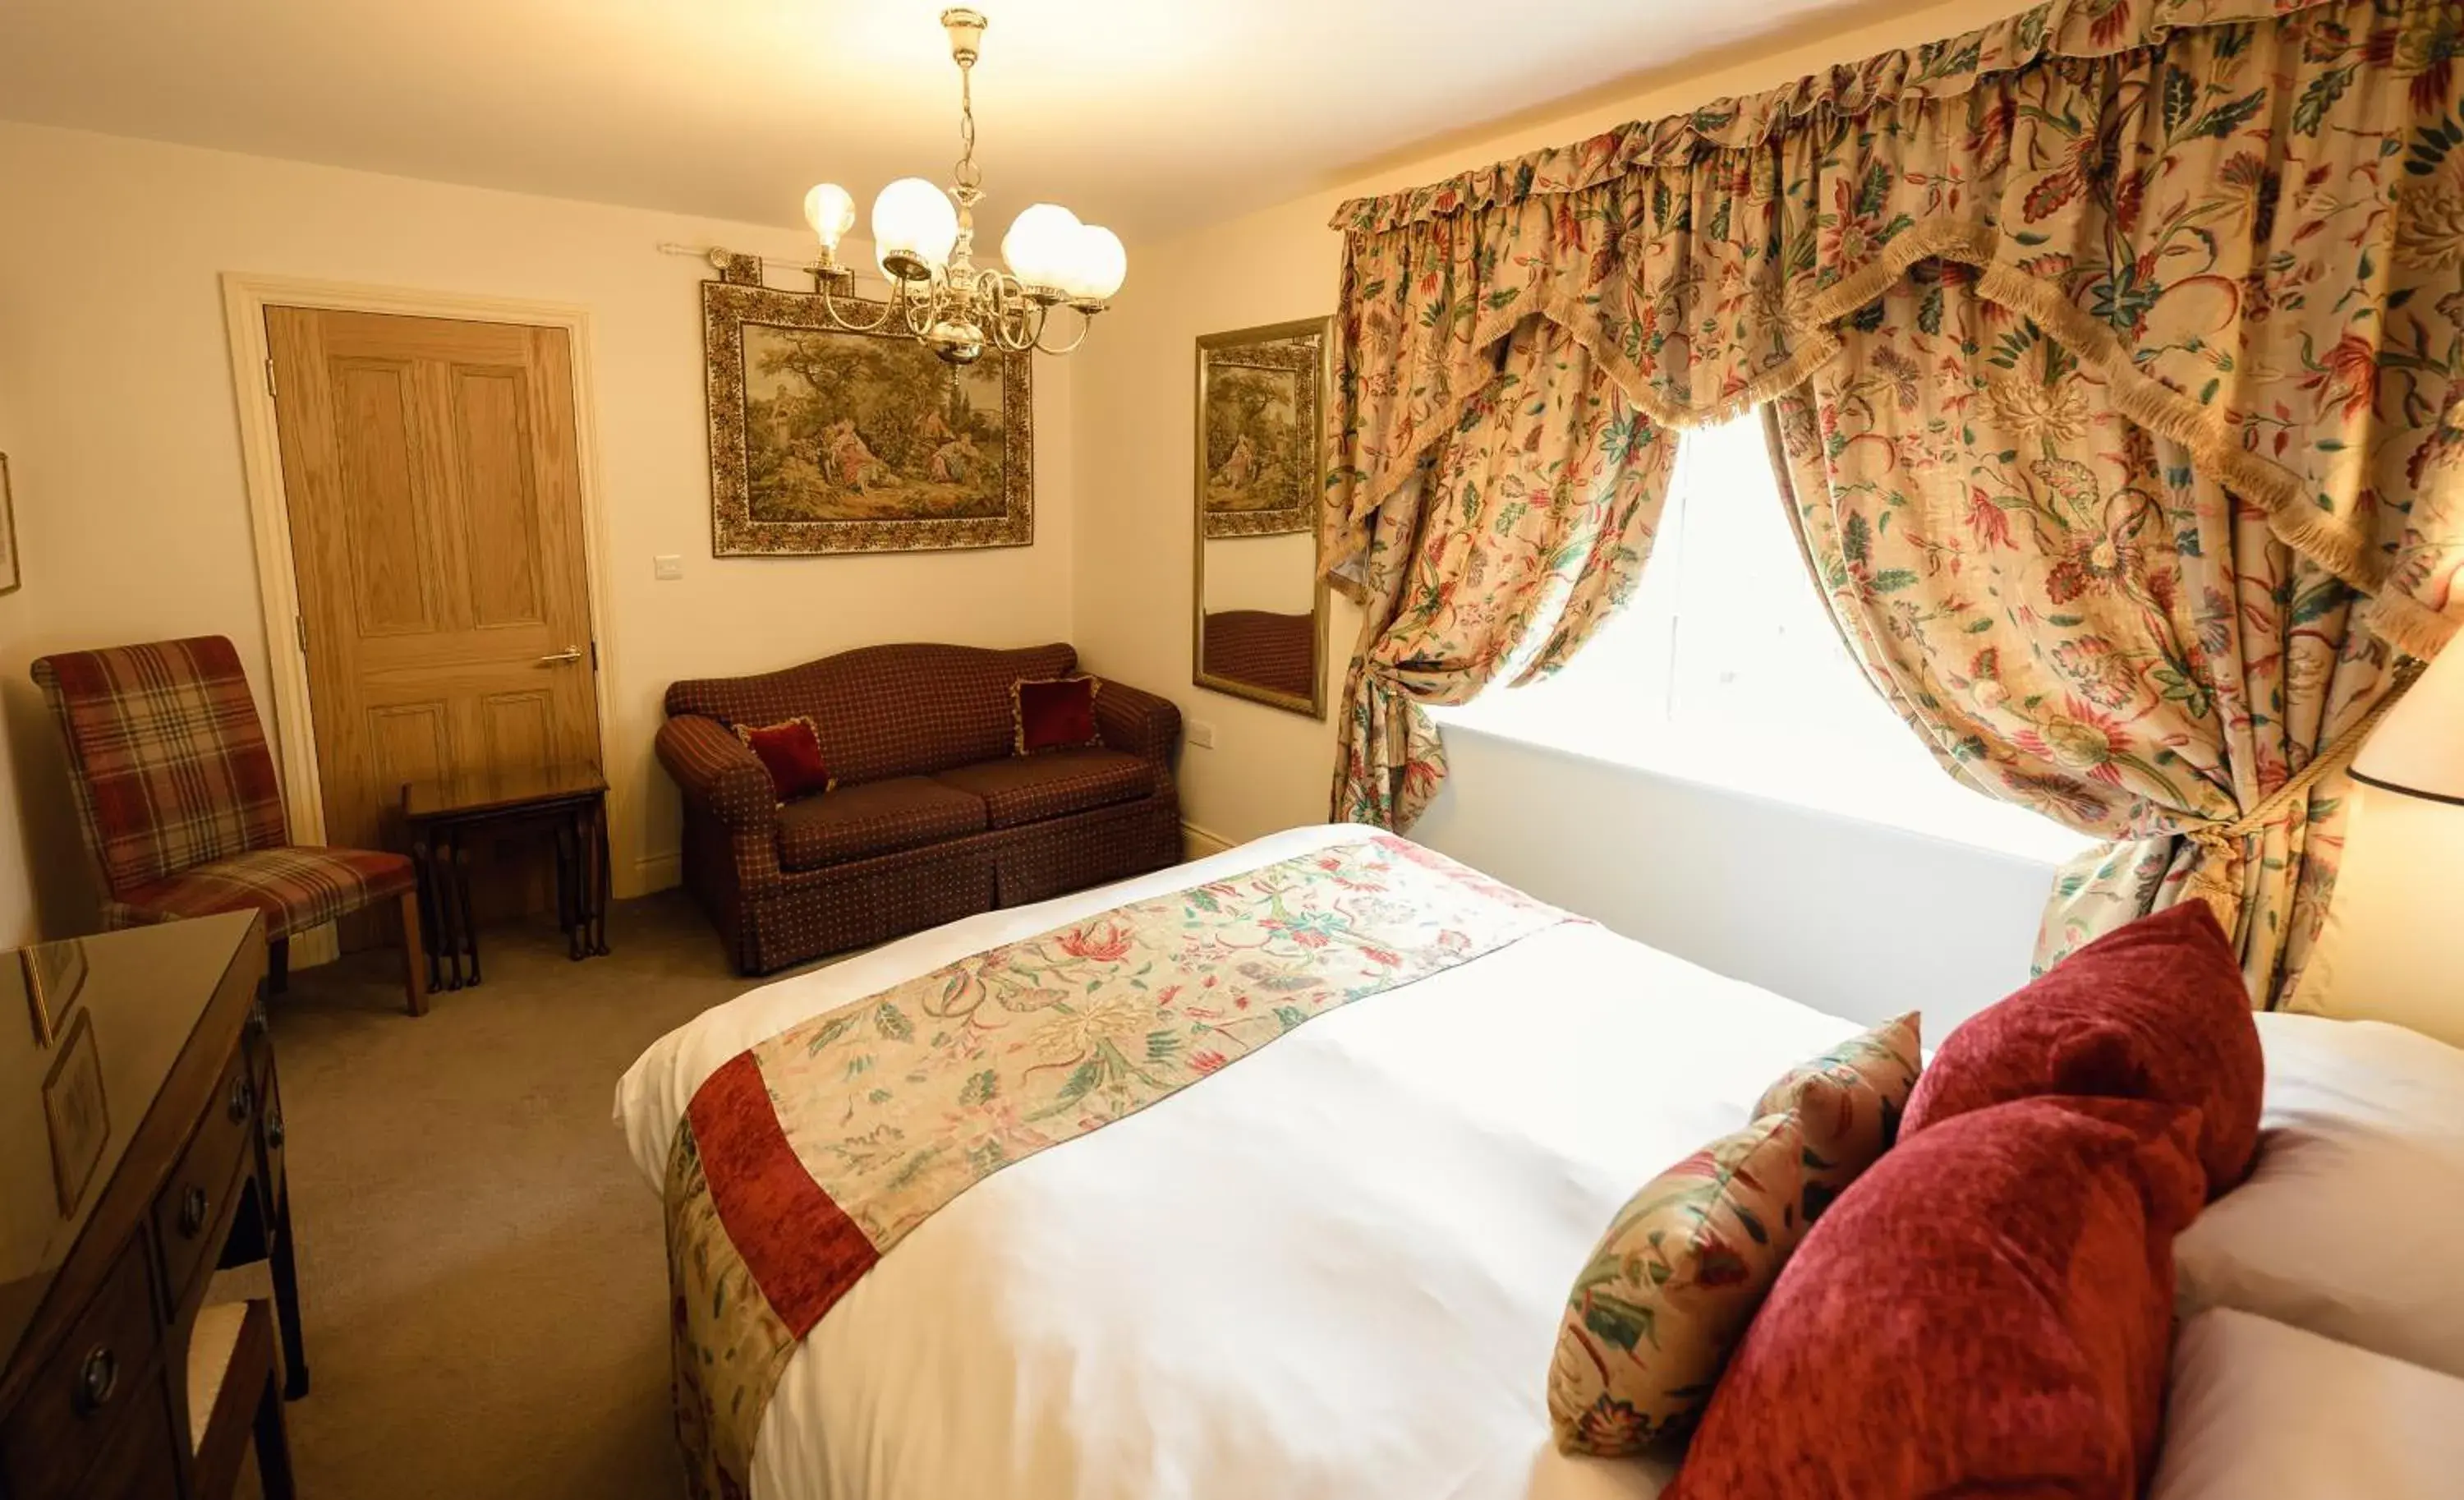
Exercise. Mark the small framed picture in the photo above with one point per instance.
(55, 972)
(9, 576)
(77, 1116)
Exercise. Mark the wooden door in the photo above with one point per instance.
(435, 510)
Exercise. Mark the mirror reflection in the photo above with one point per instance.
(1261, 605)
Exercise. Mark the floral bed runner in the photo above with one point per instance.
(805, 1158)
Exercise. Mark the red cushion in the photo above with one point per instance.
(1055, 714)
(791, 752)
(1984, 1312)
(2156, 1011)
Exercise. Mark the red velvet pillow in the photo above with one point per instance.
(1053, 713)
(1987, 1311)
(791, 752)
(2156, 1011)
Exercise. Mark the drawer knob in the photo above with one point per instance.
(98, 1379)
(242, 1099)
(194, 1204)
(274, 1127)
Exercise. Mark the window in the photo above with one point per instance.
(1726, 668)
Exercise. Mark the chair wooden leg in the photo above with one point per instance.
(414, 981)
(278, 965)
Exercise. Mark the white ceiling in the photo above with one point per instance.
(1149, 114)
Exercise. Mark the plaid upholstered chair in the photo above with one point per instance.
(176, 790)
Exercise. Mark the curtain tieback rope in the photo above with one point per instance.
(2220, 841)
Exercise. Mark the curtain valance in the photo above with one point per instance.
(1937, 70)
(2209, 202)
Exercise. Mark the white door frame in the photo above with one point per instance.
(245, 300)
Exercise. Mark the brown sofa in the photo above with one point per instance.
(934, 817)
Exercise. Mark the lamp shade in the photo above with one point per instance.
(2419, 746)
(1097, 267)
(913, 227)
(1041, 245)
(830, 211)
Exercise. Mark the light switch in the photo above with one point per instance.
(1201, 734)
(668, 566)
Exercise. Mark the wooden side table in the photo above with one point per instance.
(573, 799)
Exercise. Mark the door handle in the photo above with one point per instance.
(564, 658)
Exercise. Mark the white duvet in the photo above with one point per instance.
(1331, 1271)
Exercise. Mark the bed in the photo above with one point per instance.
(1334, 1272)
(1337, 1270)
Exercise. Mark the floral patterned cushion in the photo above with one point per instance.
(1670, 1289)
(1848, 1101)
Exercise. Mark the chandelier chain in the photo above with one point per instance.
(966, 173)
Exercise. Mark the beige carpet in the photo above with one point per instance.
(482, 1270)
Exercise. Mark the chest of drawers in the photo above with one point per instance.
(109, 1239)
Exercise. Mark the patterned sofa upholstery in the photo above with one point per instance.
(934, 817)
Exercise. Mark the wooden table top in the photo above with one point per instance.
(140, 992)
(496, 792)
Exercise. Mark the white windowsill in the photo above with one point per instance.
(1753, 769)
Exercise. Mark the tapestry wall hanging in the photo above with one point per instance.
(827, 441)
(1258, 474)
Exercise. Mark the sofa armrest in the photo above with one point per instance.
(1142, 723)
(718, 774)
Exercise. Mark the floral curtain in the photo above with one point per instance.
(1498, 557)
(2176, 285)
(2075, 618)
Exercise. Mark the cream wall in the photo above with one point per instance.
(1564, 828)
(117, 408)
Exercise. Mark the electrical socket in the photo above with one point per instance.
(1201, 734)
(666, 565)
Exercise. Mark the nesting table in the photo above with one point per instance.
(440, 814)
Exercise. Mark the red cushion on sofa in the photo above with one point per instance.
(2156, 1011)
(1055, 714)
(791, 752)
(1987, 1311)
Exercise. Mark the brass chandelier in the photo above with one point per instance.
(924, 241)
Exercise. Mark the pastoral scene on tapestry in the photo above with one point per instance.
(851, 426)
(828, 441)
(1258, 424)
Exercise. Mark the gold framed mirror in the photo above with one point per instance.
(1259, 604)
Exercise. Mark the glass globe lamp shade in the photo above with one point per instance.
(1097, 266)
(913, 227)
(1041, 245)
(831, 212)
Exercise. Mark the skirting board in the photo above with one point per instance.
(319, 944)
(1196, 843)
(656, 873)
